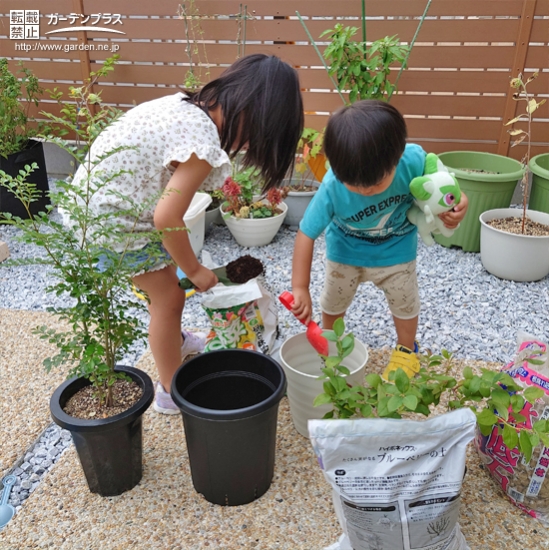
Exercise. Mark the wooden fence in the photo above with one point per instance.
(454, 94)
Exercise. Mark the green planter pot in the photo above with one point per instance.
(539, 196)
(485, 191)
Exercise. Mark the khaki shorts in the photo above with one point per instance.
(398, 282)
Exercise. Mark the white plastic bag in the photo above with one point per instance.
(242, 316)
(396, 483)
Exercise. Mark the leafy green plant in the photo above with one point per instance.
(101, 324)
(494, 397)
(241, 192)
(361, 69)
(16, 97)
(531, 106)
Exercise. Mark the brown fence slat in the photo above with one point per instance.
(453, 129)
(46, 70)
(8, 49)
(305, 55)
(51, 6)
(539, 29)
(284, 7)
(493, 30)
(133, 7)
(353, 7)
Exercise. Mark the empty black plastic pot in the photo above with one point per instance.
(229, 402)
(110, 449)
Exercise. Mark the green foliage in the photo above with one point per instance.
(101, 324)
(16, 97)
(494, 397)
(361, 69)
(250, 185)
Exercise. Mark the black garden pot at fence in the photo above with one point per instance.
(229, 402)
(110, 449)
(33, 152)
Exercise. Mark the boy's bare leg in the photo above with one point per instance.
(329, 320)
(167, 300)
(406, 330)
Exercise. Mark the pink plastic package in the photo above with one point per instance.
(524, 483)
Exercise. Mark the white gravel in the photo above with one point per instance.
(464, 308)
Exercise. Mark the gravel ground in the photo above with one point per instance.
(164, 512)
(464, 308)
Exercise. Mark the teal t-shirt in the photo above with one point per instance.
(367, 231)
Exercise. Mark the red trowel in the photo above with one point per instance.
(314, 332)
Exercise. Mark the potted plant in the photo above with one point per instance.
(309, 169)
(17, 146)
(514, 243)
(376, 414)
(102, 403)
(302, 365)
(252, 220)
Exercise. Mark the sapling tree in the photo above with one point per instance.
(494, 397)
(531, 105)
(99, 311)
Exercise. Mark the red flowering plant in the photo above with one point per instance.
(242, 197)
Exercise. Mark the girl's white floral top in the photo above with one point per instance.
(160, 132)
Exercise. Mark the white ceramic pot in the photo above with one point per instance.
(302, 366)
(255, 231)
(514, 257)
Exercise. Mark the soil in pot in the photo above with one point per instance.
(85, 403)
(514, 225)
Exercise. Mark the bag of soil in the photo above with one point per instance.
(396, 483)
(523, 482)
(242, 315)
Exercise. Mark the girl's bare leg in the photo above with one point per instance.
(167, 300)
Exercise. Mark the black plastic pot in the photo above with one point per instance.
(33, 152)
(110, 449)
(229, 402)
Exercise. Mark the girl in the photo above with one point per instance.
(185, 142)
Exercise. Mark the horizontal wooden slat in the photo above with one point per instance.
(491, 30)
(353, 7)
(48, 70)
(539, 29)
(8, 49)
(345, 8)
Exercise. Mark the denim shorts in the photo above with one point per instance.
(151, 257)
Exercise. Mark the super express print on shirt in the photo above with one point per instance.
(369, 231)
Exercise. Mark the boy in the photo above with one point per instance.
(362, 205)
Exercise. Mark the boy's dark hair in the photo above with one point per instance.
(260, 97)
(364, 142)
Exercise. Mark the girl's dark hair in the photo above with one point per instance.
(364, 142)
(262, 107)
